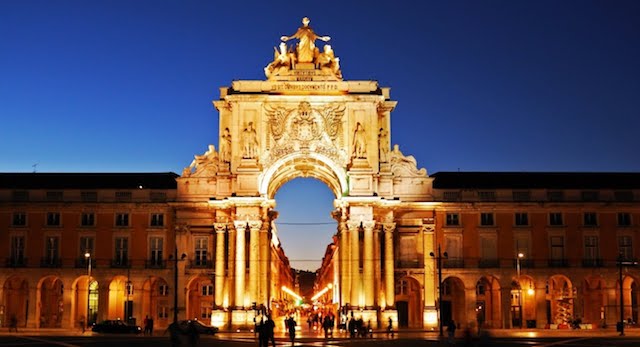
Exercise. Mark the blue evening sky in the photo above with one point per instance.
(126, 86)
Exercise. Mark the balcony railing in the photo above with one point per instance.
(409, 264)
(120, 263)
(200, 263)
(558, 263)
(50, 262)
(155, 264)
(16, 262)
(451, 263)
(594, 262)
(488, 263)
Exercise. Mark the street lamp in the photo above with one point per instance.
(438, 259)
(87, 257)
(520, 256)
(174, 258)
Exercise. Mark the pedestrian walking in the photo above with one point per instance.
(291, 326)
(82, 323)
(451, 332)
(390, 327)
(13, 323)
(268, 332)
(146, 325)
(150, 326)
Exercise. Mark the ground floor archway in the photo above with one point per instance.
(16, 300)
(51, 303)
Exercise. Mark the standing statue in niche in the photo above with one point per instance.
(225, 146)
(383, 145)
(306, 47)
(249, 142)
(359, 142)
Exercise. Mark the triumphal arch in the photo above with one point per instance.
(305, 120)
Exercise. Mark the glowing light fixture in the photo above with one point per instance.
(292, 293)
(321, 293)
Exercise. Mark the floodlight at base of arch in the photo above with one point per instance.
(291, 292)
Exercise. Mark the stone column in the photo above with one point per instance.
(429, 267)
(220, 228)
(230, 281)
(240, 268)
(355, 261)
(264, 265)
(376, 266)
(505, 299)
(368, 264)
(389, 285)
(254, 259)
(345, 269)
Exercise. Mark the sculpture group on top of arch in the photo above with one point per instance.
(304, 55)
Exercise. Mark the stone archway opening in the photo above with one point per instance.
(50, 302)
(306, 234)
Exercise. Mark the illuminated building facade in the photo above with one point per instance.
(521, 248)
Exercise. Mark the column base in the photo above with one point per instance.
(220, 318)
(430, 318)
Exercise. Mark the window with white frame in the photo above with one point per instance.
(557, 247)
(88, 219)
(591, 250)
(19, 219)
(453, 219)
(17, 248)
(122, 219)
(522, 219)
(201, 250)
(624, 219)
(53, 219)
(87, 246)
(486, 219)
(163, 290)
(590, 219)
(555, 219)
(121, 256)
(52, 250)
(625, 247)
(155, 250)
(157, 220)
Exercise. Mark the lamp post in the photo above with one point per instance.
(438, 259)
(174, 258)
(87, 257)
(520, 256)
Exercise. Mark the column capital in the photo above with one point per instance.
(368, 225)
(240, 224)
(388, 227)
(353, 225)
(255, 224)
(220, 227)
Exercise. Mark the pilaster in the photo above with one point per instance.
(221, 229)
(240, 265)
(368, 264)
(354, 231)
(254, 260)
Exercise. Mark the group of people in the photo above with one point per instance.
(357, 328)
(266, 332)
(148, 325)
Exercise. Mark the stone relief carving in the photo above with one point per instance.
(203, 165)
(304, 128)
(402, 165)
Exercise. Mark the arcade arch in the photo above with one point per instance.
(82, 287)
(16, 299)
(51, 303)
